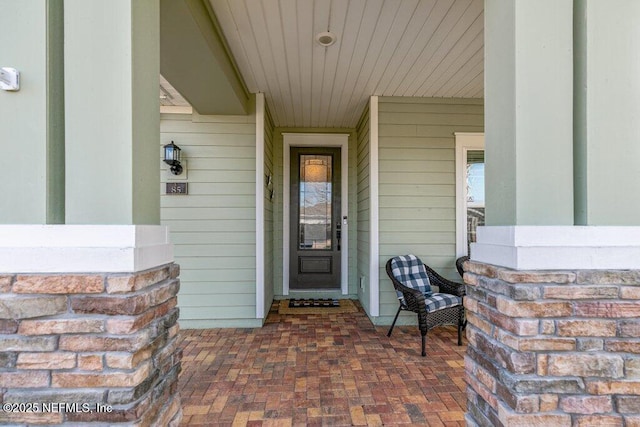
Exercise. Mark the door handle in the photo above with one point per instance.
(338, 235)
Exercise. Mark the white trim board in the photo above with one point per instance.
(260, 251)
(465, 141)
(83, 248)
(374, 209)
(523, 247)
(315, 140)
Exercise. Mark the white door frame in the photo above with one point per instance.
(315, 140)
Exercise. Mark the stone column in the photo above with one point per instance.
(552, 304)
(552, 348)
(89, 327)
(88, 316)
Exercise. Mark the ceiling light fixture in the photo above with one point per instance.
(326, 38)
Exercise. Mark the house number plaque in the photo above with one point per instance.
(174, 188)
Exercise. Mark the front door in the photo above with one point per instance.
(315, 219)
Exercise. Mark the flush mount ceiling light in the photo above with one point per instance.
(326, 38)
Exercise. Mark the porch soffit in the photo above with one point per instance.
(411, 48)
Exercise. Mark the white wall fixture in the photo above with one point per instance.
(9, 79)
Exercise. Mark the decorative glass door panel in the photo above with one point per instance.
(315, 213)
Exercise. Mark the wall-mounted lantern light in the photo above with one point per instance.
(172, 158)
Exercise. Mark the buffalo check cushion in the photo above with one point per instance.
(410, 271)
(438, 301)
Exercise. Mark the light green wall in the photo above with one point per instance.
(363, 219)
(607, 70)
(417, 184)
(268, 212)
(529, 112)
(145, 104)
(32, 125)
(111, 55)
(579, 113)
(213, 228)
(278, 205)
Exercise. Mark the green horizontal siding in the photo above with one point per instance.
(205, 226)
(208, 263)
(399, 175)
(198, 201)
(417, 183)
(268, 212)
(203, 238)
(174, 126)
(206, 288)
(221, 300)
(423, 190)
(216, 250)
(225, 175)
(206, 139)
(364, 208)
(207, 213)
(213, 227)
(223, 163)
(234, 312)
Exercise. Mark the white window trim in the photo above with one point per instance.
(465, 141)
(315, 140)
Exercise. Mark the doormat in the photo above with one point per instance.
(316, 306)
(324, 303)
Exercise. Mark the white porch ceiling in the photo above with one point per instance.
(419, 48)
(170, 96)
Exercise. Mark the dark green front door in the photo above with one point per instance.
(315, 219)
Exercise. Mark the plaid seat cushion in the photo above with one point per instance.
(410, 271)
(438, 301)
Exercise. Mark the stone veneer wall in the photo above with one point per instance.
(87, 339)
(552, 348)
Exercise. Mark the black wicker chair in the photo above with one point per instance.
(460, 263)
(413, 299)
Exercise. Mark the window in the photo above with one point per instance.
(469, 189)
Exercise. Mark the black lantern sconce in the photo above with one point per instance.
(172, 158)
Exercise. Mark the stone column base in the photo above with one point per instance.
(552, 348)
(81, 348)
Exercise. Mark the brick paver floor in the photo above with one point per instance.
(328, 369)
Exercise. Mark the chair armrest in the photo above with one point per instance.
(446, 286)
(460, 264)
(413, 298)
